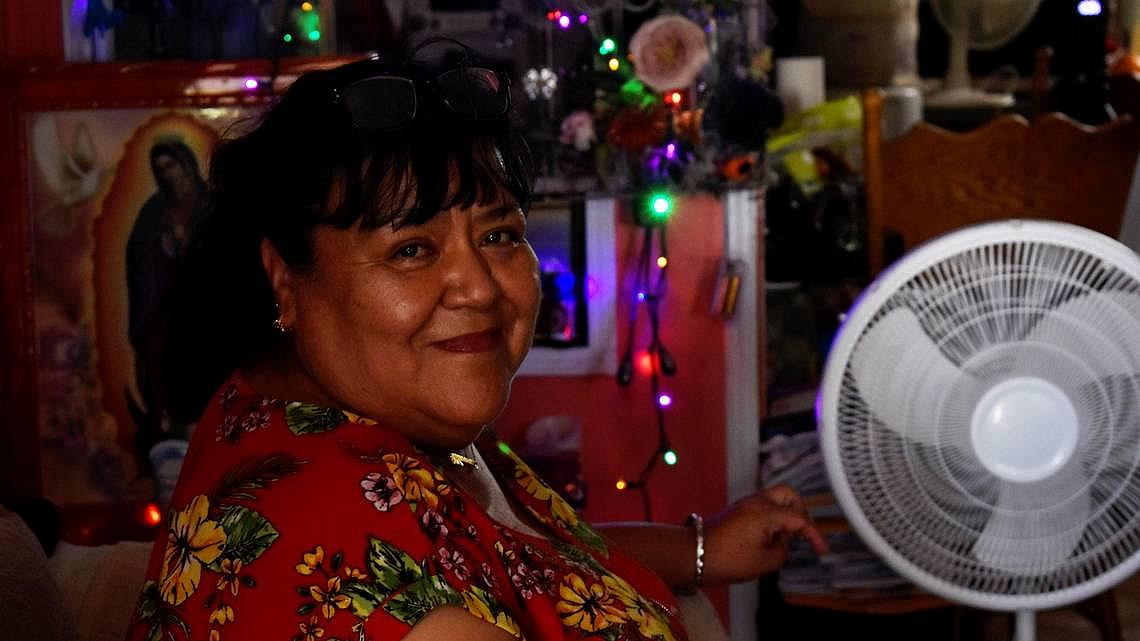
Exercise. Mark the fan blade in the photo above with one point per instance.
(1035, 527)
(902, 375)
(1097, 329)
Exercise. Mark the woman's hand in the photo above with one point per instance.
(750, 537)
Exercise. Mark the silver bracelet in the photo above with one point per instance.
(698, 524)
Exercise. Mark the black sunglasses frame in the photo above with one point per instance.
(445, 97)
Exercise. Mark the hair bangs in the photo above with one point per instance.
(410, 180)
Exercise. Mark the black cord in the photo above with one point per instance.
(650, 293)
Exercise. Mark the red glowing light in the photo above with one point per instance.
(152, 515)
(645, 364)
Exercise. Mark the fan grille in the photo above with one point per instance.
(999, 311)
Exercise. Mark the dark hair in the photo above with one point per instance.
(306, 164)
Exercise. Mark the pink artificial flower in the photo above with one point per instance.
(578, 130)
(668, 52)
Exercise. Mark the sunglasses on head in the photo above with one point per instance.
(387, 102)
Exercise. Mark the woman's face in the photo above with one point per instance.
(421, 328)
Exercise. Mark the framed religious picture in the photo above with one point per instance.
(104, 179)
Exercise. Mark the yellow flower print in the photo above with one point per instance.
(192, 541)
(330, 598)
(562, 511)
(649, 621)
(618, 587)
(310, 561)
(531, 483)
(230, 578)
(506, 555)
(414, 481)
(353, 573)
(588, 608)
(535, 487)
(222, 615)
(481, 609)
(356, 418)
(311, 631)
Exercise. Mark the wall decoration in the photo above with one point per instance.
(114, 195)
(101, 193)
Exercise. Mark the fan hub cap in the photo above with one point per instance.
(1024, 429)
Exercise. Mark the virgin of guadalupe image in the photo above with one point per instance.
(155, 251)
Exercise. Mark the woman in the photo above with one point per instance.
(155, 250)
(357, 304)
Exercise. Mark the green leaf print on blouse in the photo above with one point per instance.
(395, 584)
(578, 557)
(254, 474)
(391, 566)
(304, 418)
(421, 597)
(248, 534)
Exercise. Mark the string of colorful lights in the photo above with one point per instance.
(656, 361)
(652, 211)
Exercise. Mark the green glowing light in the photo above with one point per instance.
(660, 206)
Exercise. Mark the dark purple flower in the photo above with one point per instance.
(433, 524)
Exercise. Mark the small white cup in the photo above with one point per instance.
(166, 462)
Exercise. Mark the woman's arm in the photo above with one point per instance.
(451, 623)
(744, 541)
(669, 550)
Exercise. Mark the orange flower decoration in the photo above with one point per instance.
(416, 482)
(587, 607)
(230, 578)
(311, 630)
(311, 561)
(738, 168)
(223, 615)
(687, 124)
(330, 598)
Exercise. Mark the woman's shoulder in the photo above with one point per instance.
(293, 517)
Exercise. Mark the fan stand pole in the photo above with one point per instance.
(958, 73)
(1024, 626)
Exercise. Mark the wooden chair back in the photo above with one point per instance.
(930, 181)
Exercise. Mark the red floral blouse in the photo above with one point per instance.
(298, 522)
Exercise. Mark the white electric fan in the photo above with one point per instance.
(976, 24)
(980, 416)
